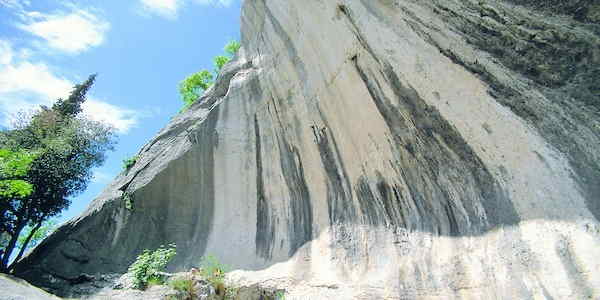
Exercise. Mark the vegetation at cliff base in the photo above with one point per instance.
(193, 86)
(149, 266)
(45, 159)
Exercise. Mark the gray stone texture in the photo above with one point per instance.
(370, 149)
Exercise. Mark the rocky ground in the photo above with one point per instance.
(116, 287)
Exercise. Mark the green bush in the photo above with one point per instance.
(213, 271)
(148, 266)
(129, 162)
(220, 61)
(184, 287)
(232, 48)
(280, 295)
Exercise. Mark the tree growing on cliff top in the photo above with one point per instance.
(54, 151)
(193, 86)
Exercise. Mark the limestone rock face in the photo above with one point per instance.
(12, 288)
(367, 149)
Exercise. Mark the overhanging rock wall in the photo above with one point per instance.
(375, 148)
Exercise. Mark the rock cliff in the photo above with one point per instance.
(366, 149)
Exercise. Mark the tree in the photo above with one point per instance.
(67, 146)
(31, 236)
(192, 87)
(72, 105)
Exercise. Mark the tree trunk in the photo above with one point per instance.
(24, 246)
(10, 247)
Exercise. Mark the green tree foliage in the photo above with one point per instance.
(220, 61)
(65, 147)
(150, 264)
(232, 48)
(129, 162)
(72, 105)
(13, 170)
(192, 87)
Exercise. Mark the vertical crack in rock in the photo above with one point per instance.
(265, 230)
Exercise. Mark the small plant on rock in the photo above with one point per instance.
(129, 162)
(280, 295)
(214, 272)
(149, 266)
(184, 287)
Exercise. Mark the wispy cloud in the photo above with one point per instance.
(170, 8)
(25, 85)
(101, 177)
(6, 53)
(122, 119)
(215, 2)
(26, 82)
(70, 31)
(15, 4)
(164, 8)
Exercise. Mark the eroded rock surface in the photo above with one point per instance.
(365, 149)
(12, 288)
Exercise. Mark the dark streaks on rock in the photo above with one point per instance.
(265, 231)
(300, 214)
(431, 198)
(339, 194)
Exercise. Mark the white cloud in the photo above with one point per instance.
(25, 86)
(15, 4)
(225, 3)
(71, 32)
(169, 8)
(121, 119)
(34, 78)
(100, 177)
(6, 53)
(163, 8)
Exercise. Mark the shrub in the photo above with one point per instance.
(149, 265)
(220, 61)
(184, 287)
(232, 48)
(280, 295)
(129, 162)
(213, 270)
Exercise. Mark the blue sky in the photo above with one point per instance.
(141, 50)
